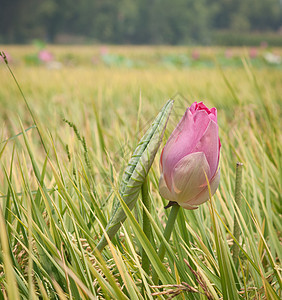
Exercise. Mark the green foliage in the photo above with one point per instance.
(134, 22)
(137, 170)
(231, 38)
(54, 205)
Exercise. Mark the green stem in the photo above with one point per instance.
(167, 234)
(146, 223)
(26, 103)
(236, 228)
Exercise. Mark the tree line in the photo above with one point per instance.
(135, 22)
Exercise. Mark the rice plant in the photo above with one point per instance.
(66, 149)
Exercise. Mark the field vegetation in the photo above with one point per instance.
(63, 153)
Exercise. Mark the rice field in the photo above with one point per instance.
(67, 134)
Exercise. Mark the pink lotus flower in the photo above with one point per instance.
(195, 55)
(253, 53)
(8, 57)
(228, 53)
(191, 152)
(45, 56)
(104, 50)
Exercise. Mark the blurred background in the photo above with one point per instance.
(185, 22)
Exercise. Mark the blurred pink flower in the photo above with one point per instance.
(228, 53)
(191, 152)
(253, 53)
(195, 55)
(8, 57)
(45, 56)
(104, 50)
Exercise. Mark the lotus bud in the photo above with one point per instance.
(190, 157)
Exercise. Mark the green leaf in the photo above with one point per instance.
(12, 287)
(137, 170)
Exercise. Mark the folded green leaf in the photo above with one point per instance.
(137, 170)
